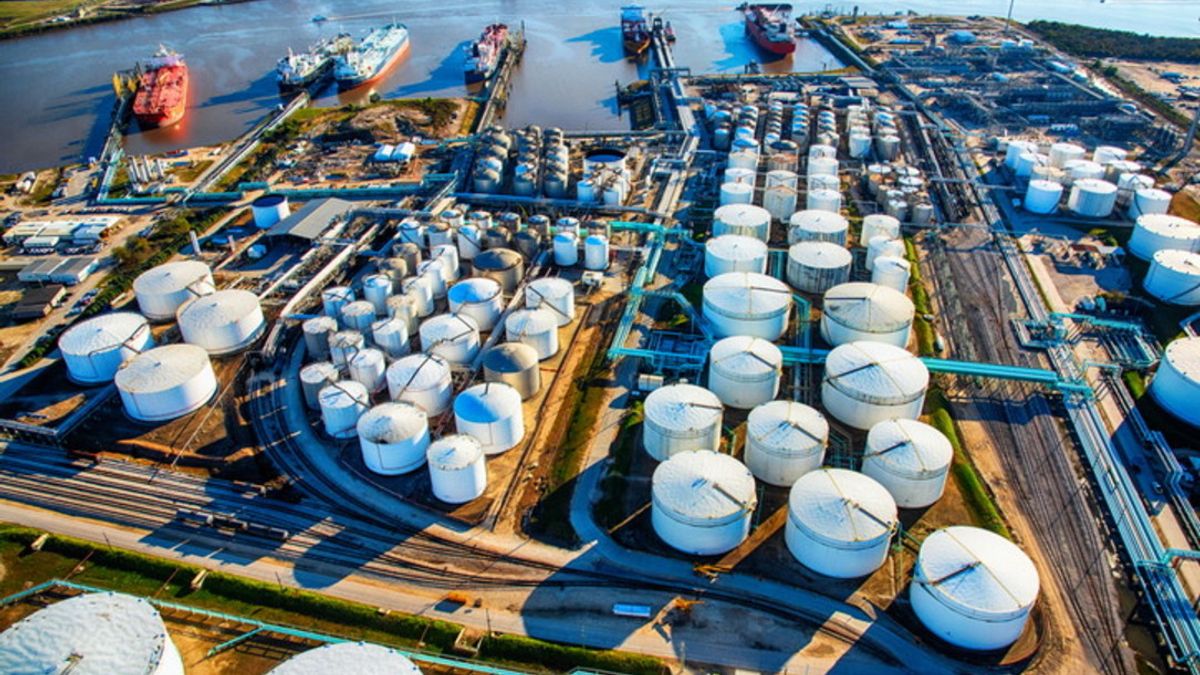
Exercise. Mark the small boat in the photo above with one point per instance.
(635, 34)
(669, 32)
(319, 18)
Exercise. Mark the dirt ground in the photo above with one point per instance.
(1147, 75)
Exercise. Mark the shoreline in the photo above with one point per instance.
(47, 25)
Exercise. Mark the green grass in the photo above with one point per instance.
(23, 11)
(975, 492)
(1136, 383)
(926, 336)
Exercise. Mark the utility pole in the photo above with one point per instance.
(1008, 19)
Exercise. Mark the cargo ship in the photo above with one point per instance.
(162, 90)
(296, 71)
(371, 58)
(483, 55)
(635, 34)
(771, 27)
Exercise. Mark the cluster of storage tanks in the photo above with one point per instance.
(1172, 246)
(1093, 185)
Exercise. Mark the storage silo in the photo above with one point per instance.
(313, 379)
(1152, 233)
(516, 365)
(393, 438)
(1174, 277)
(879, 224)
(744, 219)
(1145, 201)
(358, 316)
(823, 200)
(1092, 198)
(910, 459)
(679, 418)
(367, 367)
(973, 588)
(817, 266)
(744, 303)
(891, 272)
(555, 294)
(470, 241)
(166, 382)
(1176, 385)
(736, 193)
(537, 328)
(810, 225)
(342, 403)
(457, 468)
(702, 502)
(478, 298)
(93, 350)
(408, 252)
(866, 312)
(779, 194)
(376, 289)
(391, 336)
(223, 322)
(269, 209)
(317, 332)
(840, 523)
(1061, 153)
(784, 441)
(423, 379)
(566, 248)
(504, 265)
(866, 383)
(1042, 196)
(420, 289)
(91, 633)
(734, 253)
(347, 657)
(491, 413)
(595, 252)
(435, 272)
(440, 234)
(334, 298)
(1107, 154)
(744, 371)
(404, 307)
(343, 345)
(161, 290)
(454, 337)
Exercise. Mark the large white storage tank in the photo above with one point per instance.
(91, 633)
(376, 289)
(892, 272)
(166, 382)
(1145, 201)
(816, 225)
(367, 367)
(910, 459)
(973, 588)
(1092, 198)
(736, 193)
(490, 412)
(840, 523)
(779, 194)
(734, 253)
(343, 345)
(861, 311)
(879, 247)
(1156, 232)
(454, 337)
(347, 657)
(1042, 196)
(94, 350)
(566, 248)
(537, 328)
(744, 371)
(478, 298)
(823, 200)
(333, 299)
(393, 438)
(342, 403)
(269, 209)
(680, 418)
(222, 322)
(1176, 385)
(516, 365)
(744, 303)
(702, 502)
(161, 290)
(313, 378)
(423, 379)
(879, 225)
(1174, 277)
(391, 336)
(317, 332)
(358, 316)
(595, 252)
(866, 383)
(817, 266)
(784, 441)
(555, 294)
(744, 219)
(457, 468)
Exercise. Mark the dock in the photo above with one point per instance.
(495, 92)
(124, 88)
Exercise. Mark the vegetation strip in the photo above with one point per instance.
(975, 491)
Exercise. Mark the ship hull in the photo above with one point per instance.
(159, 119)
(292, 84)
(354, 82)
(162, 113)
(475, 76)
(782, 48)
(636, 46)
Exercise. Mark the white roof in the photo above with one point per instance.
(320, 324)
(171, 277)
(1184, 356)
(736, 247)
(837, 506)
(346, 339)
(358, 308)
(551, 287)
(447, 328)
(359, 658)
(1165, 225)
(393, 422)
(787, 425)
(363, 357)
(747, 294)
(877, 370)
(338, 293)
(976, 571)
(380, 279)
(745, 215)
(820, 254)
(703, 487)
(420, 371)
(99, 633)
(320, 371)
(488, 402)
(1153, 193)
(162, 368)
(683, 407)
(815, 220)
(1094, 185)
(1183, 262)
(343, 394)
(456, 451)
(219, 309)
(477, 289)
(745, 355)
(531, 322)
(102, 333)
(909, 448)
(865, 305)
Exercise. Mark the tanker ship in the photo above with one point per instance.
(162, 89)
(484, 54)
(771, 27)
(370, 59)
(296, 71)
(635, 34)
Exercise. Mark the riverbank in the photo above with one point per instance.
(20, 19)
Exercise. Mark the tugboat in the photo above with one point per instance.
(635, 34)
(771, 27)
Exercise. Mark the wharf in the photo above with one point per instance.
(495, 93)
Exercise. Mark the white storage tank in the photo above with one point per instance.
(1092, 198)
(1107, 154)
(537, 328)
(420, 289)
(840, 523)
(1061, 153)
(333, 299)
(391, 336)
(1152, 233)
(1174, 277)
(93, 350)
(342, 403)
(823, 200)
(779, 194)
(491, 413)
(866, 383)
(343, 345)
(1149, 201)
(161, 290)
(446, 254)
(516, 365)
(734, 253)
(909, 458)
(891, 272)
(166, 382)
(744, 219)
(478, 298)
(358, 316)
(879, 247)
(595, 252)
(347, 657)
(869, 312)
(317, 332)
(376, 289)
(269, 209)
(1176, 385)
(454, 337)
(435, 272)
(566, 249)
(702, 502)
(680, 418)
(1042, 196)
(736, 193)
(367, 367)
(470, 241)
(91, 633)
(457, 468)
(817, 266)
(812, 225)
(744, 371)
(393, 438)
(973, 588)
(744, 303)
(555, 294)
(784, 441)
(404, 308)
(313, 378)
(423, 379)
(223, 322)
(879, 224)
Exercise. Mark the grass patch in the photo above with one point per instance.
(975, 492)
(610, 508)
(187, 174)
(926, 336)
(23, 11)
(1135, 382)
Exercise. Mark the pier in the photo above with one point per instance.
(124, 88)
(495, 92)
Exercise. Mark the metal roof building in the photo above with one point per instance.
(311, 221)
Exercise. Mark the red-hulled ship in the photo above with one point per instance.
(162, 88)
(484, 54)
(635, 34)
(771, 27)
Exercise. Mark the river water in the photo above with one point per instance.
(55, 92)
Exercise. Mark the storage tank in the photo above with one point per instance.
(878, 224)
(866, 383)
(537, 328)
(457, 468)
(1061, 153)
(342, 403)
(1174, 277)
(1042, 196)
(813, 225)
(470, 241)
(785, 440)
(822, 166)
(343, 345)
(223, 322)
(744, 303)
(779, 194)
(840, 523)
(973, 588)
(435, 272)
(734, 253)
(824, 200)
(393, 438)
(910, 459)
(830, 183)
(744, 219)
(409, 252)
(528, 243)
(391, 336)
(817, 266)
(1176, 385)
(347, 657)
(1077, 170)
(1149, 201)
(93, 350)
(702, 502)
(879, 247)
(161, 290)
(1092, 198)
(269, 209)
(334, 298)
(91, 633)
(502, 264)
(555, 294)
(313, 378)
(748, 176)
(404, 307)
(491, 413)
(868, 312)
(566, 249)
(1152, 233)
(166, 382)
(454, 337)
(891, 272)
(358, 316)
(440, 234)
(478, 298)
(514, 364)
(744, 371)
(736, 193)
(680, 418)
(422, 379)
(420, 289)
(1107, 154)
(376, 289)
(595, 252)
(367, 367)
